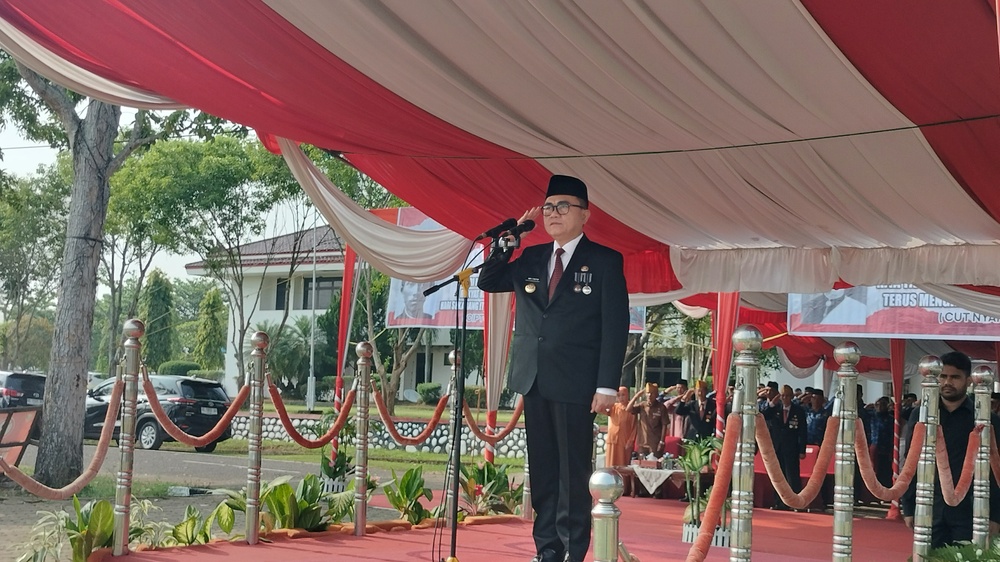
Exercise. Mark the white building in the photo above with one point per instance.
(268, 286)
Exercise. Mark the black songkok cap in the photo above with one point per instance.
(567, 185)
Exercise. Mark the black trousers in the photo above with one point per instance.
(560, 439)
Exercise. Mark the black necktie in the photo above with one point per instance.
(557, 272)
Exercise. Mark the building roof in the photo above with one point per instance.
(281, 250)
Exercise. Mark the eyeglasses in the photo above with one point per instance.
(562, 207)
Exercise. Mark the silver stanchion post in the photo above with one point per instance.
(258, 362)
(526, 509)
(364, 350)
(930, 368)
(455, 358)
(133, 330)
(982, 379)
(747, 341)
(606, 487)
(593, 457)
(847, 355)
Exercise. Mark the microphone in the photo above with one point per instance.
(496, 230)
(520, 229)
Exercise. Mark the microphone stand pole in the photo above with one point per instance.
(461, 291)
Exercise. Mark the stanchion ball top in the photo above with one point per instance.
(929, 366)
(847, 352)
(364, 349)
(983, 376)
(747, 338)
(133, 328)
(455, 357)
(260, 340)
(606, 485)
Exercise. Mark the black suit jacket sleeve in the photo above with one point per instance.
(494, 276)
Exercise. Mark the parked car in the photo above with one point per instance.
(194, 405)
(19, 390)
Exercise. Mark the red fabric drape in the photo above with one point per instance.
(346, 315)
(723, 326)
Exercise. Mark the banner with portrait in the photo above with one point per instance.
(408, 307)
(886, 311)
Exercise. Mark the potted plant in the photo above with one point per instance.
(697, 457)
(335, 469)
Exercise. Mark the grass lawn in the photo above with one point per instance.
(103, 486)
(396, 459)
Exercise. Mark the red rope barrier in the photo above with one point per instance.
(494, 439)
(802, 499)
(178, 433)
(390, 425)
(868, 473)
(286, 421)
(954, 494)
(720, 490)
(35, 487)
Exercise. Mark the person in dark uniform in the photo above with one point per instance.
(789, 423)
(957, 418)
(566, 359)
(700, 412)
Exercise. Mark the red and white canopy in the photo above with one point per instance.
(769, 145)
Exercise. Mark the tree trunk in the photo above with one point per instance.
(60, 452)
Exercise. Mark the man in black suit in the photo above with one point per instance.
(566, 359)
(700, 412)
(789, 436)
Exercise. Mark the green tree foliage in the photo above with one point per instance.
(288, 356)
(189, 296)
(156, 309)
(210, 339)
(35, 337)
(32, 232)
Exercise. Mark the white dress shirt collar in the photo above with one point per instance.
(568, 250)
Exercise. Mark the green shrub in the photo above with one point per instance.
(405, 494)
(212, 375)
(179, 368)
(475, 396)
(430, 392)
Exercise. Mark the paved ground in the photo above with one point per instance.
(19, 511)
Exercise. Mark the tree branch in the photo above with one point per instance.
(135, 142)
(55, 98)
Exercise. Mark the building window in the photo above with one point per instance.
(325, 287)
(280, 293)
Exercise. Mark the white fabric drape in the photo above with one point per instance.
(663, 86)
(501, 323)
(36, 57)
(696, 312)
(969, 300)
(652, 299)
(403, 253)
(795, 371)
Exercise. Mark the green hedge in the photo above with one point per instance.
(430, 392)
(210, 374)
(179, 368)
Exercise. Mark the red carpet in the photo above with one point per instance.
(650, 528)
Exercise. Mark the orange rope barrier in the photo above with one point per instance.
(868, 473)
(496, 438)
(286, 421)
(954, 494)
(720, 491)
(179, 434)
(390, 425)
(35, 487)
(802, 499)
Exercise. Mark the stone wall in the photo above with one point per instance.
(378, 438)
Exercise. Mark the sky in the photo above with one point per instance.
(22, 157)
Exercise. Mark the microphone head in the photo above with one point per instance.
(526, 226)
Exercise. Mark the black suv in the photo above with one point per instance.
(194, 405)
(21, 389)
